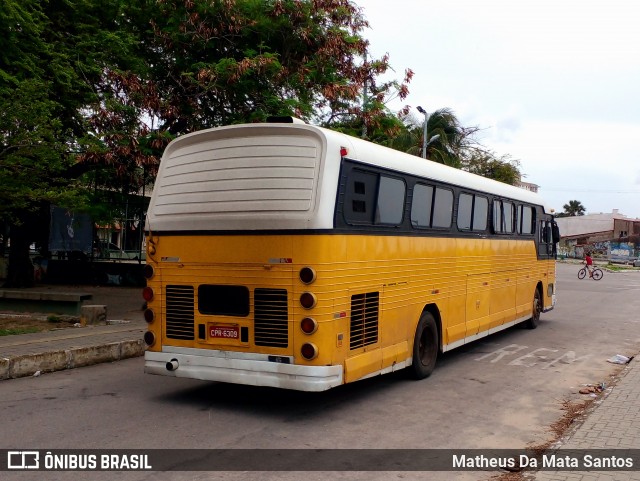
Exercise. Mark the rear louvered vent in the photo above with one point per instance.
(364, 319)
(180, 323)
(271, 317)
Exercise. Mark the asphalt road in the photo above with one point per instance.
(501, 392)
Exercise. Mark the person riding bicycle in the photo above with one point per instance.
(589, 261)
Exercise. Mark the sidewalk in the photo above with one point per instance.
(612, 424)
(38, 353)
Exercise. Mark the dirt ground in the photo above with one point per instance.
(12, 324)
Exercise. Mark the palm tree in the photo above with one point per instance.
(446, 137)
(573, 208)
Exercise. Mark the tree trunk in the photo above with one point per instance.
(20, 270)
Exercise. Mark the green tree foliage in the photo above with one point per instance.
(487, 164)
(445, 137)
(452, 144)
(224, 62)
(97, 89)
(52, 55)
(573, 208)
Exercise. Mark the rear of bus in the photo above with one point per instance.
(234, 240)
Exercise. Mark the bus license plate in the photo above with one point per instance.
(219, 331)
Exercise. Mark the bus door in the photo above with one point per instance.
(478, 303)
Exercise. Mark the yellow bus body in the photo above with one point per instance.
(475, 287)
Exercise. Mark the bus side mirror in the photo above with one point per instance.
(555, 233)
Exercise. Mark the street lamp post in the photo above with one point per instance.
(424, 131)
(425, 142)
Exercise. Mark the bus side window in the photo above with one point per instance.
(442, 208)
(465, 209)
(525, 219)
(503, 215)
(480, 213)
(391, 198)
(547, 246)
(472, 212)
(421, 204)
(359, 205)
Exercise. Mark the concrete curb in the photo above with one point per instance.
(30, 364)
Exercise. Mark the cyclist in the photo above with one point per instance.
(589, 261)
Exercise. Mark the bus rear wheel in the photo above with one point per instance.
(425, 347)
(532, 323)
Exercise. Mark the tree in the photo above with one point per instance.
(215, 63)
(52, 54)
(487, 164)
(573, 208)
(219, 63)
(106, 85)
(454, 145)
(445, 137)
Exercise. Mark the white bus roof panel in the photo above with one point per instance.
(277, 176)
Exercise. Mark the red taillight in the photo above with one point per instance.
(308, 325)
(308, 300)
(149, 338)
(343, 151)
(148, 271)
(147, 294)
(149, 315)
(309, 351)
(307, 275)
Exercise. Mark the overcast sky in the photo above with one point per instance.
(555, 84)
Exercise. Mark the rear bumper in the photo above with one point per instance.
(240, 368)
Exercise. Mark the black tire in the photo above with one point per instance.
(425, 347)
(597, 274)
(536, 309)
(582, 273)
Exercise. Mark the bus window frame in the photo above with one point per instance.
(433, 206)
(499, 225)
(376, 216)
(472, 218)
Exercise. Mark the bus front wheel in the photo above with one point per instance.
(536, 309)
(425, 347)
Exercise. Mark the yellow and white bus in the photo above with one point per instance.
(291, 256)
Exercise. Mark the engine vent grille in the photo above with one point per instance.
(180, 305)
(364, 319)
(271, 317)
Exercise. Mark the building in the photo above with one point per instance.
(608, 236)
(528, 186)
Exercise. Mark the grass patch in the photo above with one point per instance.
(11, 325)
(12, 332)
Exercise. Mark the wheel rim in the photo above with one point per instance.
(597, 275)
(536, 307)
(426, 348)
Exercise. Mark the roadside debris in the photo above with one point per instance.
(37, 373)
(593, 389)
(620, 359)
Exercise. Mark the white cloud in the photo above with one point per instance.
(552, 83)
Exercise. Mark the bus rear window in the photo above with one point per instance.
(223, 300)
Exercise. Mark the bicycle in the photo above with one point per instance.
(596, 273)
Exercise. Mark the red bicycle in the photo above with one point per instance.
(596, 273)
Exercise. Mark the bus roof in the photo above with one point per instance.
(278, 176)
(374, 154)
